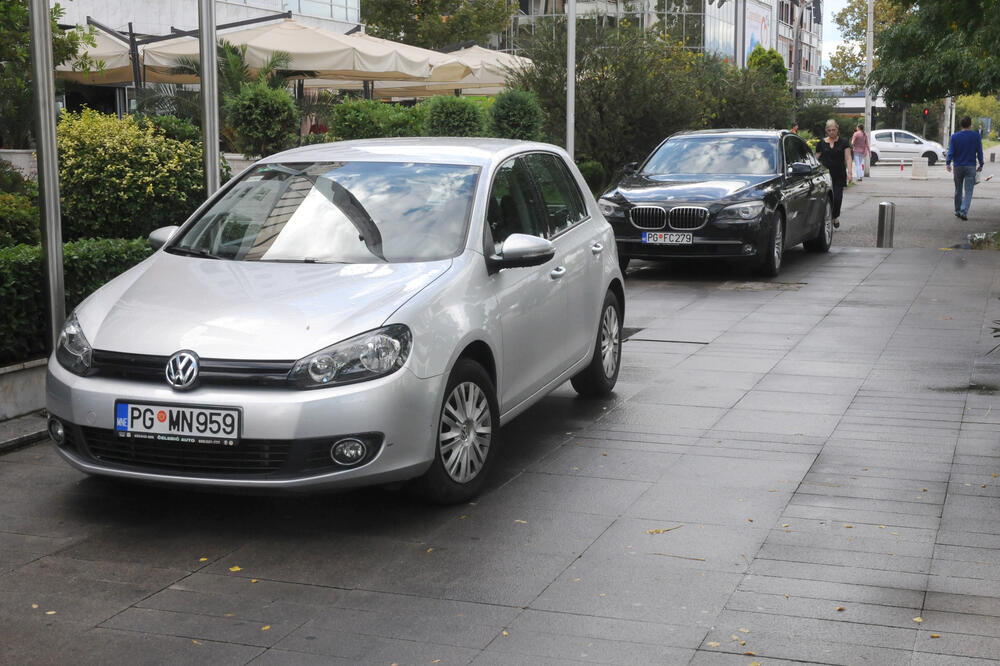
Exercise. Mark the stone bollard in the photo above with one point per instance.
(919, 171)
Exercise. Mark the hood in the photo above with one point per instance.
(639, 189)
(246, 310)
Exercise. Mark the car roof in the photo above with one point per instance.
(437, 150)
(744, 132)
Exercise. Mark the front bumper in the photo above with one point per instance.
(285, 437)
(716, 240)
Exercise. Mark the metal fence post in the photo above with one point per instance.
(886, 224)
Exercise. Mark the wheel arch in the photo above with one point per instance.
(480, 352)
(618, 289)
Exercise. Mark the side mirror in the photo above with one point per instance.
(630, 168)
(158, 237)
(522, 251)
(799, 169)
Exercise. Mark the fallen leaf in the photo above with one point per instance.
(750, 654)
(787, 597)
(505, 632)
(749, 520)
(603, 594)
(713, 644)
(605, 454)
(994, 475)
(462, 517)
(576, 580)
(918, 619)
(253, 580)
(430, 550)
(665, 529)
(745, 631)
(743, 642)
(436, 661)
(754, 663)
(521, 522)
(925, 490)
(237, 568)
(935, 635)
(266, 627)
(773, 490)
(50, 612)
(784, 524)
(34, 605)
(229, 615)
(841, 608)
(195, 642)
(203, 559)
(734, 637)
(881, 527)
(848, 527)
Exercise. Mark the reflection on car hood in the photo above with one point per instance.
(246, 310)
(646, 189)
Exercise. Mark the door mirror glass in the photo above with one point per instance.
(158, 237)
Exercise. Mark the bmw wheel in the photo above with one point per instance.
(773, 250)
(600, 376)
(467, 435)
(824, 237)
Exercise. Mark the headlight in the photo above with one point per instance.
(609, 208)
(367, 356)
(73, 351)
(747, 210)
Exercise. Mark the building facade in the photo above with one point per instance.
(729, 28)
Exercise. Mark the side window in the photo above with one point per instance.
(883, 136)
(809, 158)
(513, 204)
(563, 202)
(791, 154)
(802, 151)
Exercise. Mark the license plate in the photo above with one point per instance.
(667, 238)
(173, 423)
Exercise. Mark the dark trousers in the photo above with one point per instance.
(838, 198)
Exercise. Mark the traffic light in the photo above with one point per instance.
(926, 112)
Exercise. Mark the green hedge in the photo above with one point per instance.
(516, 114)
(87, 264)
(454, 116)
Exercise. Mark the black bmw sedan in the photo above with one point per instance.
(723, 194)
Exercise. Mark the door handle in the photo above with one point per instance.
(596, 248)
(557, 272)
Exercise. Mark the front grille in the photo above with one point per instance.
(145, 367)
(285, 458)
(687, 218)
(648, 217)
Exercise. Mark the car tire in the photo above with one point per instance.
(773, 250)
(466, 439)
(824, 237)
(623, 263)
(599, 377)
(874, 159)
(931, 158)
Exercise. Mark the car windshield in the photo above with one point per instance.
(751, 156)
(337, 212)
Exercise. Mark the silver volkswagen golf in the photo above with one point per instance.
(346, 314)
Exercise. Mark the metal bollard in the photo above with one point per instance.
(886, 224)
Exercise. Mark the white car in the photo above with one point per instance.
(893, 145)
(345, 314)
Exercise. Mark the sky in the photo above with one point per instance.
(831, 36)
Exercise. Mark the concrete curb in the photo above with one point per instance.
(22, 431)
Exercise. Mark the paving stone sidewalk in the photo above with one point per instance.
(799, 470)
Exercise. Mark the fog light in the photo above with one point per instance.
(749, 249)
(348, 451)
(56, 431)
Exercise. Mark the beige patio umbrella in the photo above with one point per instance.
(328, 54)
(488, 77)
(114, 55)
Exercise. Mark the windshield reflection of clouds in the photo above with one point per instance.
(714, 155)
(408, 212)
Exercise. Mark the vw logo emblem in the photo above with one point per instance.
(182, 370)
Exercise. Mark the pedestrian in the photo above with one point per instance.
(964, 149)
(834, 153)
(794, 129)
(859, 146)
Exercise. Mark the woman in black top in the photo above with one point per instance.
(834, 153)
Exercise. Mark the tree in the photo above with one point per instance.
(847, 63)
(770, 61)
(436, 23)
(16, 95)
(979, 106)
(263, 118)
(942, 48)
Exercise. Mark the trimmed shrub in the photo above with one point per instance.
(173, 127)
(19, 220)
(264, 119)
(453, 116)
(594, 174)
(121, 180)
(516, 114)
(356, 119)
(88, 264)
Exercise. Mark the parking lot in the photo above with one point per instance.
(800, 470)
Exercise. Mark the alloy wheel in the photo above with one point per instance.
(828, 223)
(610, 340)
(779, 243)
(466, 432)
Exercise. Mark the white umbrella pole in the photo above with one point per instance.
(571, 77)
(209, 95)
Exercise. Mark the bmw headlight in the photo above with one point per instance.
(609, 208)
(73, 351)
(367, 356)
(748, 210)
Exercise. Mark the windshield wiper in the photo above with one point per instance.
(191, 252)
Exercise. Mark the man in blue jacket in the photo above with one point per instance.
(965, 148)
